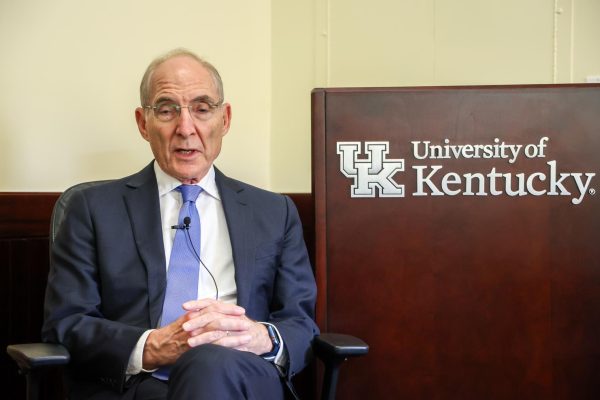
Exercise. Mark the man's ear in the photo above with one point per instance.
(226, 118)
(140, 119)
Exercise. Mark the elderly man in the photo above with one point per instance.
(179, 282)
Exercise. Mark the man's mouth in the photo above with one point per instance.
(185, 151)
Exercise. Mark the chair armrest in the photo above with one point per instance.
(30, 356)
(338, 346)
(333, 349)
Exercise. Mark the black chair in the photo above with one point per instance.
(35, 359)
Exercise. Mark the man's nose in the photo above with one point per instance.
(185, 122)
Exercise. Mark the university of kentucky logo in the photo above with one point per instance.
(373, 173)
(371, 170)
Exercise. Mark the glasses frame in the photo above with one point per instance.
(177, 108)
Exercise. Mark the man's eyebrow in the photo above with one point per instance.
(164, 99)
(205, 98)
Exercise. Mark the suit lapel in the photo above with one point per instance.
(143, 207)
(239, 223)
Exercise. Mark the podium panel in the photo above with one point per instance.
(458, 233)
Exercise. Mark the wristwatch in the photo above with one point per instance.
(270, 356)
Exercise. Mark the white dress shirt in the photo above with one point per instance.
(215, 248)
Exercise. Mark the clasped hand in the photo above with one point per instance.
(205, 321)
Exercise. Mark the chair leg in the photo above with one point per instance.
(33, 385)
(332, 371)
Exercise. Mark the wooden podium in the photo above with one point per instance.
(458, 233)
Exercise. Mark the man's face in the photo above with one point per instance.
(184, 147)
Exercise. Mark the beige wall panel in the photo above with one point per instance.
(586, 39)
(293, 79)
(70, 77)
(381, 43)
(494, 42)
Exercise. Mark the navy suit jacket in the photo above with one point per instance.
(107, 278)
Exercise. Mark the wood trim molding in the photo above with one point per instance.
(25, 214)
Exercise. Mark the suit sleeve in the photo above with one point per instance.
(74, 313)
(294, 296)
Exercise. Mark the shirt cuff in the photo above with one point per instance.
(136, 359)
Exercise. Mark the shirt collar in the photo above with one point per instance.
(167, 183)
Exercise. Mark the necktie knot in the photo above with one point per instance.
(189, 192)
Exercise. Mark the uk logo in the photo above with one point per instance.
(373, 173)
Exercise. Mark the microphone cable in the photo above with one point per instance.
(186, 228)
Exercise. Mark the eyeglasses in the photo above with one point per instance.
(201, 110)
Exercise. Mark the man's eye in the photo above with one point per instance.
(200, 108)
(165, 109)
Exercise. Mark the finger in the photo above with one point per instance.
(212, 312)
(195, 305)
(217, 321)
(233, 341)
(223, 308)
(233, 325)
(206, 337)
(179, 321)
(215, 311)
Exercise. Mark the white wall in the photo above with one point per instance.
(70, 71)
(70, 76)
(586, 39)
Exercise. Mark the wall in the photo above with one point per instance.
(586, 33)
(70, 78)
(416, 43)
(70, 71)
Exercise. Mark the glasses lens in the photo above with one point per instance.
(201, 110)
(165, 111)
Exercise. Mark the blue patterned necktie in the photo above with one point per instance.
(182, 276)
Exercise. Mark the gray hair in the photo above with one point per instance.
(145, 84)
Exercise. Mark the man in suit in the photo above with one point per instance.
(248, 330)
